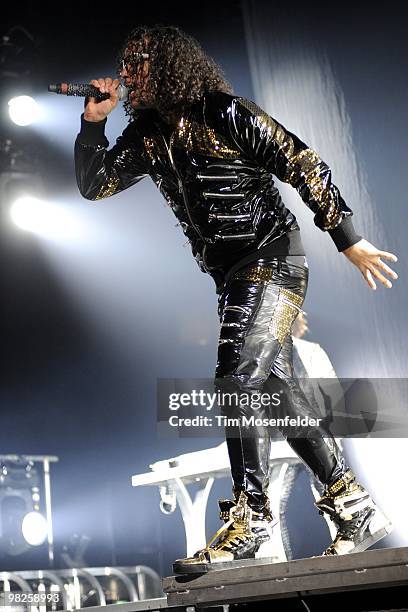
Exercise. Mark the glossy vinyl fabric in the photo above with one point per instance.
(215, 169)
(252, 357)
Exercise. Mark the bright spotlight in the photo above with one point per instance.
(23, 110)
(49, 220)
(25, 213)
(34, 528)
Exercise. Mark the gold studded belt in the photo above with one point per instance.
(256, 274)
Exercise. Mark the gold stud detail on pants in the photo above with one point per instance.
(286, 311)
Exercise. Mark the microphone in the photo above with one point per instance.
(86, 91)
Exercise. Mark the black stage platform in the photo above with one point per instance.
(371, 581)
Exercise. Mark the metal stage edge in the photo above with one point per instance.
(251, 581)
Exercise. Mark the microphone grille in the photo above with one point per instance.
(122, 92)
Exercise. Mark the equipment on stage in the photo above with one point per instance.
(73, 589)
(25, 504)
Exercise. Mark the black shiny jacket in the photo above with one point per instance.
(216, 170)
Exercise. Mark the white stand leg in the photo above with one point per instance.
(275, 548)
(193, 511)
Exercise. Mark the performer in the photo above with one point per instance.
(213, 155)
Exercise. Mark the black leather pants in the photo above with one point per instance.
(257, 308)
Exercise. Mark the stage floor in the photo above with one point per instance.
(260, 580)
(374, 580)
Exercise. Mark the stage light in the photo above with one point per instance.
(34, 528)
(23, 110)
(52, 221)
(26, 213)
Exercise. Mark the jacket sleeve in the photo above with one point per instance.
(283, 154)
(100, 173)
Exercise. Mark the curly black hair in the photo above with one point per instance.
(180, 71)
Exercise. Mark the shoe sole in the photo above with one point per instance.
(204, 568)
(200, 568)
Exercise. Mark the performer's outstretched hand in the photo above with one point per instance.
(367, 258)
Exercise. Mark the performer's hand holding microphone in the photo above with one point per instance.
(97, 110)
(102, 96)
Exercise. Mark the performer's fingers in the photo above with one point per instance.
(381, 278)
(369, 278)
(387, 255)
(101, 85)
(113, 88)
(387, 269)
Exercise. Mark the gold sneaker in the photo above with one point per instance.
(359, 521)
(241, 537)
